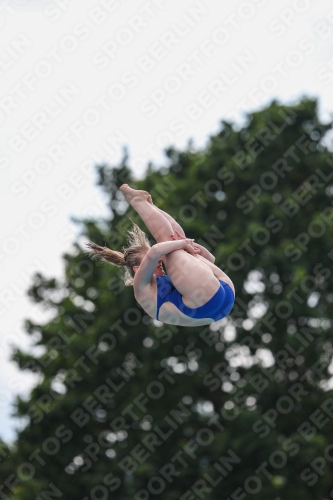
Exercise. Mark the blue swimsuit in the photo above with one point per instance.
(216, 308)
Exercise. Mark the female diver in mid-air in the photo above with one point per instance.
(194, 292)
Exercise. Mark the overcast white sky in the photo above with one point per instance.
(81, 79)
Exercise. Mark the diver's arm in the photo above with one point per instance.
(205, 253)
(148, 264)
(176, 236)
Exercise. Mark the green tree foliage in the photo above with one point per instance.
(127, 408)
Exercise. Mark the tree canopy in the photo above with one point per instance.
(129, 408)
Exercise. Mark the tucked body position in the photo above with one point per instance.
(192, 292)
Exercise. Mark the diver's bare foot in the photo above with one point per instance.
(133, 194)
(150, 200)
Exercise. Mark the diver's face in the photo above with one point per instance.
(159, 271)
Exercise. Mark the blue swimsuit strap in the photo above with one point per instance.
(164, 287)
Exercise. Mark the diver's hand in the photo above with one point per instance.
(195, 249)
(177, 236)
(190, 246)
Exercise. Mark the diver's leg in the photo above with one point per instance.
(158, 225)
(174, 224)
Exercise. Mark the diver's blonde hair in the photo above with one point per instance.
(132, 256)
